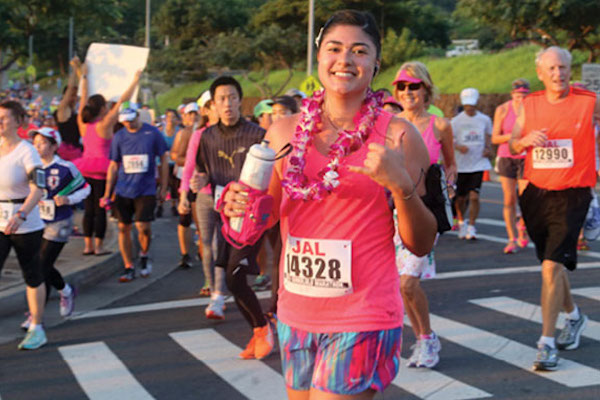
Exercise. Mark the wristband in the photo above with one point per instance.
(21, 215)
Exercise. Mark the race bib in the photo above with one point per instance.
(7, 210)
(47, 209)
(135, 163)
(318, 267)
(554, 154)
(218, 193)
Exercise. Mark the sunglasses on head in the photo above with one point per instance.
(411, 86)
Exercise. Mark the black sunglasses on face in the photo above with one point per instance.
(411, 86)
(521, 85)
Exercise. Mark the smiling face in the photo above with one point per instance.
(554, 72)
(347, 58)
(412, 96)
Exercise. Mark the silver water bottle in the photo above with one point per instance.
(256, 173)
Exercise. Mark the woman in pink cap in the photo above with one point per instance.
(414, 89)
(340, 310)
(510, 167)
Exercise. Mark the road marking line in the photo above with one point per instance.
(504, 271)
(570, 373)
(165, 305)
(497, 239)
(591, 292)
(252, 378)
(432, 385)
(531, 312)
(101, 374)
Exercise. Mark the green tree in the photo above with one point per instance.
(571, 23)
(397, 49)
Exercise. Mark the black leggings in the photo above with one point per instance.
(235, 278)
(49, 252)
(27, 247)
(94, 216)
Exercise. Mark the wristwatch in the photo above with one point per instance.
(21, 214)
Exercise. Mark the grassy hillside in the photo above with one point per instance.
(489, 73)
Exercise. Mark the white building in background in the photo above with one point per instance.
(463, 47)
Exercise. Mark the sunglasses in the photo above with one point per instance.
(411, 86)
(520, 86)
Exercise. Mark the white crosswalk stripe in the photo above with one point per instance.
(101, 374)
(531, 312)
(570, 373)
(254, 379)
(432, 385)
(590, 292)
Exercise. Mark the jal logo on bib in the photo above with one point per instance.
(318, 267)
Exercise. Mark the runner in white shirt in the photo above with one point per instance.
(472, 143)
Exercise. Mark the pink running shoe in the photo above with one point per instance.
(511, 247)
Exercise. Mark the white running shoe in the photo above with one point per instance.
(462, 230)
(146, 267)
(429, 355)
(216, 307)
(471, 233)
(414, 358)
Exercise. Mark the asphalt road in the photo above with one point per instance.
(156, 343)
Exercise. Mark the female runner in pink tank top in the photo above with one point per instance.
(340, 311)
(414, 90)
(96, 123)
(510, 167)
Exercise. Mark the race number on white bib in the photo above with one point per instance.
(7, 210)
(318, 267)
(47, 209)
(554, 154)
(135, 163)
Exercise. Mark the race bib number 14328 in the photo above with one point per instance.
(318, 267)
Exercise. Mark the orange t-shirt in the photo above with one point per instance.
(567, 160)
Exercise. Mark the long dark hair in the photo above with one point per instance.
(92, 108)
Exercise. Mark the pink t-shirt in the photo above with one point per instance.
(96, 150)
(433, 145)
(357, 210)
(507, 126)
(190, 162)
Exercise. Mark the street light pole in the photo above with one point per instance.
(311, 33)
(147, 41)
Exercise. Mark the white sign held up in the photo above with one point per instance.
(111, 68)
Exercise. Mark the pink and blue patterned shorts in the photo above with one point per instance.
(340, 363)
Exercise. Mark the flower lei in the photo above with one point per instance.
(296, 184)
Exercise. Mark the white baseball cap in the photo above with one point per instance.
(204, 98)
(47, 132)
(190, 107)
(469, 97)
(128, 112)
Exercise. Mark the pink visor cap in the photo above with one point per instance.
(403, 76)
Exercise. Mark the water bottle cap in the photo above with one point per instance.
(264, 143)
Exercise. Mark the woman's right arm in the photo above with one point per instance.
(82, 72)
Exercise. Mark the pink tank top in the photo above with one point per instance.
(507, 126)
(357, 210)
(96, 150)
(433, 145)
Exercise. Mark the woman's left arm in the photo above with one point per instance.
(401, 166)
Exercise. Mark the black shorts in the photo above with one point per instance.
(554, 219)
(142, 207)
(510, 167)
(468, 182)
